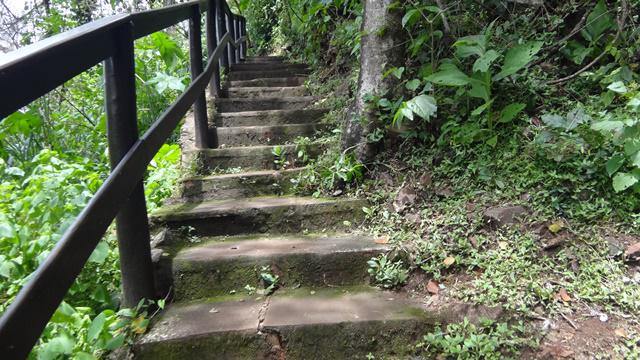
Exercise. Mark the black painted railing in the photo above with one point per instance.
(31, 72)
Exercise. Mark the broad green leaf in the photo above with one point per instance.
(410, 17)
(608, 125)
(618, 87)
(623, 181)
(96, 327)
(449, 75)
(479, 89)
(598, 21)
(493, 141)
(483, 63)
(634, 102)
(100, 253)
(471, 45)
(115, 342)
(480, 109)
(554, 120)
(631, 146)
(423, 106)
(576, 117)
(635, 159)
(412, 84)
(510, 111)
(517, 58)
(56, 347)
(614, 164)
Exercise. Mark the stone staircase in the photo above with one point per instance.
(230, 230)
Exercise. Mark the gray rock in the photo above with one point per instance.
(499, 216)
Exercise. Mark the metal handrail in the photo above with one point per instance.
(121, 196)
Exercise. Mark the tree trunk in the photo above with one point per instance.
(381, 49)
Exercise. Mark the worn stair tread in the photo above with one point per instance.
(269, 117)
(254, 157)
(243, 184)
(287, 309)
(243, 246)
(253, 66)
(266, 91)
(267, 73)
(265, 135)
(212, 208)
(274, 81)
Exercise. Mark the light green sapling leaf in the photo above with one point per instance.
(412, 84)
(623, 181)
(510, 111)
(618, 87)
(449, 75)
(614, 164)
(517, 58)
(483, 63)
(423, 106)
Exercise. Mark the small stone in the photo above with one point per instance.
(425, 180)
(632, 253)
(414, 218)
(386, 178)
(555, 242)
(405, 198)
(616, 248)
(444, 192)
(499, 216)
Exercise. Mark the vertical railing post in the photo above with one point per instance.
(132, 224)
(243, 46)
(231, 52)
(195, 58)
(212, 43)
(236, 36)
(222, 29)
(244, 33)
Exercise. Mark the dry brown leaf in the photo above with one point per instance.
(503, 244)
(449, 260)
(563, 295)
(433, 287)
(382, 240)
(620, 332)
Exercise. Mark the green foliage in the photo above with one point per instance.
(464, 340)
(328, 172)
(387, 273)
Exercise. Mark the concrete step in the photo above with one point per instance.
(248, 157)
(259, 74)
(260, 214)
(261, 59)
(255, 66)
(265, 81)
(304, 324)
(264, 135)
(270, 117)
(222, 265)
(268, 103)
(266, 91)
(242, 185)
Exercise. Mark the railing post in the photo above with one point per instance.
(222, 29)
(231, 52)
(195, 58)
(132, 224)
(212, 43)
(243, 31)
(236, 36)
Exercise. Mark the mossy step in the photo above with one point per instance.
(266, 103)
(246, 184)
(261, 214)
(247, 157)
(266, 73)
(218, 266)
(265, 81)
(264, 135)
(260, 59)
(267, 66)
(270, 117)
(302, 324)
(266, 91)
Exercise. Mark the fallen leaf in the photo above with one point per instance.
(562, 294)
(449, 260)
(433, 287)
(214, 310)
(503, 244)
(620, 332)
(382, 240)
(555, 227)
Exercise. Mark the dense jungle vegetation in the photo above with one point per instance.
(498, 104)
